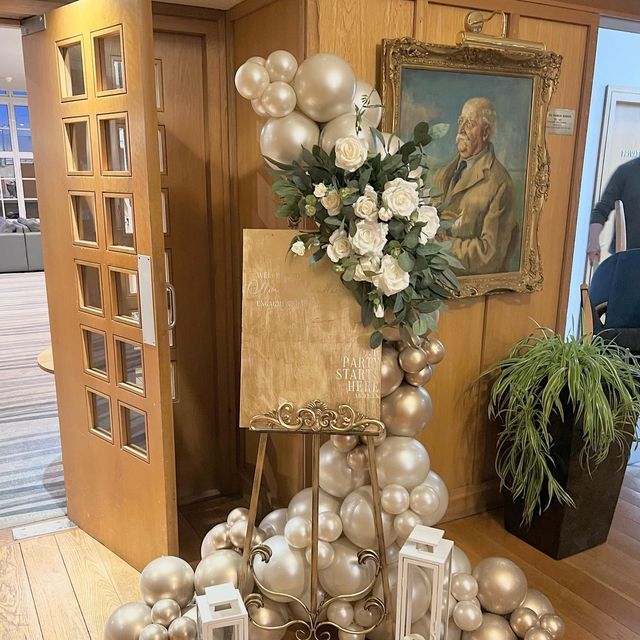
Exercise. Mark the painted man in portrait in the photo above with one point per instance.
(477, 194)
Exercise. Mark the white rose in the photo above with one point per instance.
(429, 216)
(392, 278)
(331, 202)
(339, 246)
(298, 248)
(351, 153)
(400, 197)
(369, 238)
(320, 190)
(370, 264)
(366, 206)
(385, 214)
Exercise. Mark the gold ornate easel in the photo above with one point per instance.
(315, 420)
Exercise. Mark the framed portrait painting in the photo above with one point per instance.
(489, 166)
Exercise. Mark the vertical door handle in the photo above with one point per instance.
(172, 305)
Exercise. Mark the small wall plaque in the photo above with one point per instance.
(561, 122)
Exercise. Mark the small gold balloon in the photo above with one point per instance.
(421, 378)
(390, 372)
(358, 459)
(435, 351)
(522, 619)
(281, 66)
(502, 585)
(165, 611)
(216, 538)
(553, 625)
(167, 577)
(395, 499)
(154, 632)
(537, 601)
(493, 627)
(463, 586)
(239, 513)
(183, 628)
(251, 80)
(406, 411)
(467, 615)
(412, 359)
(344, 443)
(127, 621)
(278, 99)
(256, 103)
(537, 633)
(257, 59)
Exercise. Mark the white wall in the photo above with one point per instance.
(11, 64)
(617, 64)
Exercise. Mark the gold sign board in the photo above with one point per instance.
(302, 338)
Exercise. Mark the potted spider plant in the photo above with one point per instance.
(568, 412)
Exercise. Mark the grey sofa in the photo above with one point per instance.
(20, 249)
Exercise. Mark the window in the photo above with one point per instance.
(18, 194)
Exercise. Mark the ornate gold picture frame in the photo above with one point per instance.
(490, 165)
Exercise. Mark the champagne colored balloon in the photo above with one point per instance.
(366, 92)
(405, 523)
(553, 625)
(281, 66)
(346, 574)
(412, 359)
(460, 562)
(435, 351)
(297, 532)
(336, 478)
(341, 613)
(286, 571)
(502, 585)
(183, 628)
(239, 513)
(216, 538)
(391, 374)
(300, 504)
(436, 483)
(358, 459)
(392, 553)
(402, 461)
(345, 127)
(421, 378)
(377, 440)
(221, 566)
(329, 526)
(467, 615)
(538, 602)
(251, 80)
(406, 411)
(326, 554)
(256, 103)
(363, 616)
(522, 619)
(493, 627)
(354, 635)
(273, 523)
(167, 577)
(537, 633)
(325, 86)
(358, 521)
(238, 534)
(278, 99)
(344, 443)
(257, 60)
(420, 590)
(282, 139)
(154, 632)
(464, 586)
(165, 611)
(272, 614)
(395, 499)
(424, 500)
(127, 621)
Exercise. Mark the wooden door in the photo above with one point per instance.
(90, 78)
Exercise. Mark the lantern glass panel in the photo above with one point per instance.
(225, 633)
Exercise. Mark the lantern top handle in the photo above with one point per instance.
(426, 535)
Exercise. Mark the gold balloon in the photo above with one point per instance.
(553, 625)
(421, 378)
(344, 126)
(273, 523)
(167, 577)
(395, 499)
(537, 633)
(467, 615)
(522, 619)
(281, 66)
(435, 351)
(502, 585)
(272, 614)
(358, 522)
(325, 86)
(366, 92)
(390, 372)
(251, 80)
(402, 461)
(329, 526)
(406, 411)
(346, 574)
(239, 513)
(216, 538)
(286, 571)
(154, 632)
(357, 459)
(344, 443)
(412, 359)
(221, 566)
(282, 139)
(300, 504)
(278, 99)
(183, 628)
(165, 611)
(464, 587)
(538, 602)
(336, 477)
(127, 621)
(493, 627)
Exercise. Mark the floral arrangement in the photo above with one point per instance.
(376, 225)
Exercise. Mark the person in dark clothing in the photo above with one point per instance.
(624, 185)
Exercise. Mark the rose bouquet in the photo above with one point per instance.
(375, 224)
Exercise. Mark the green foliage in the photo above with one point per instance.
(602, 384)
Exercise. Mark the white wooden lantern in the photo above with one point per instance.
(425, 548)
(222, 614)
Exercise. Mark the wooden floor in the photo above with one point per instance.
(64, 586)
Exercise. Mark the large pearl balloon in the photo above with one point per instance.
(222, 566)
(538, 633)
(329, 526)
(502, 585)
(282, 139)
(522, 619)
(420, 378)
(216, 538)
(464, 586)
(344, 127)
(538, 602)
(460, 562)
(336, 477)
(326, 554)
(300, 504)
(395, 499)
(278, 99)
(406, 411)
(412, 359)
(272, 614)
(358, 520)
(273, 523)
(239, 513)
(165, 611)
(430, 512)
(435, 351)
(553, 625)
(467, 615)
(251, 80)
(183, 628)
(390, 372)
(325, 86)
(420, 590)
(346, 574)
(402, 461)
(127, 621)
(297, 532)
(154, 632)
(366, 92)
(281, 66)
(167, 577)
(286, 571)
(341, 613)
(405, 523)
(493, 627)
